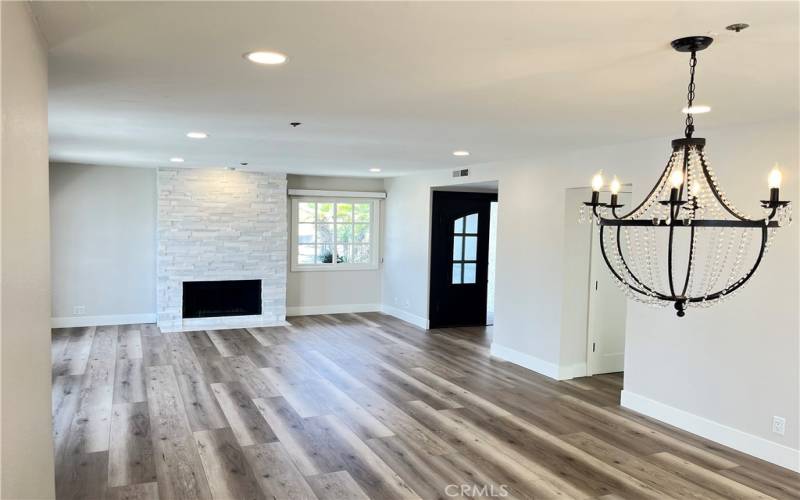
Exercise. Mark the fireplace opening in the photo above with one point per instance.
(207, 299)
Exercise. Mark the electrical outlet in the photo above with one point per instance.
(779, 425)
(79, 310)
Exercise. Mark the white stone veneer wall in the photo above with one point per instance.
(218, 224)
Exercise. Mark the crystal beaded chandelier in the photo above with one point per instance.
(708, 242)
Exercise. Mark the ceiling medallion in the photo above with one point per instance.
(685, 244)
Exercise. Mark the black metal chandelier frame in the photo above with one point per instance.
(681, 208)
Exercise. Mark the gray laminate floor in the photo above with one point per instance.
(356, 406)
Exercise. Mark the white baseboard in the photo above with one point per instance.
(759, 447)
(406, 316)
(538, 365)
(114, 319)
(331, 309)
(525, 360)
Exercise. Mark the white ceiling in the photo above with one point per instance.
(398, 86)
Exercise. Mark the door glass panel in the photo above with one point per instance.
(470, 248)
(472, 224)
(458, 226)
(465, 249)
(456, 273)
(457, 246)
(469, 273)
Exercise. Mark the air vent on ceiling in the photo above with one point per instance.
(461, 173)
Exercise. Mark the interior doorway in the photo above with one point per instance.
(605, 329)
(460, 257)
(594, 309)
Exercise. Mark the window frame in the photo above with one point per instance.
(374, 235)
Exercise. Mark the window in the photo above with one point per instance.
(465, 249)
(334, 234)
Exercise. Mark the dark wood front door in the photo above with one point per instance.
(459, 258)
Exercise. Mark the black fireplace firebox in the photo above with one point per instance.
(208, 299)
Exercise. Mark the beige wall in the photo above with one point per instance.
(25, 429)
(312, 292)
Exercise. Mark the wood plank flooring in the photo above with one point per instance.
(354, 406)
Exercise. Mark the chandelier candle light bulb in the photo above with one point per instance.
(597, 185)
(675, 179)
(774, 181)
(615, 187)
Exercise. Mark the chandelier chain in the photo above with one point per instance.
(690, 96)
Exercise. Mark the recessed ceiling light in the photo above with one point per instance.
(460, 153)
(176, 160)
(374, 170)
(196, 135)
(265, 57)
(697, 109)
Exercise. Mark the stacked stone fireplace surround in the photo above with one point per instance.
(216, 224)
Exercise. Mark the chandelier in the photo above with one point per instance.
(686, 243)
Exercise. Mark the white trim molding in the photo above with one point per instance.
(524, 360)
(331, 309)
(110, 320)
(406, 316)
(756, 446)
(546, 368)
(337, 194)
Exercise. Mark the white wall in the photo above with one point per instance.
(26, 459)
(103, 225)
(735, 365)
(315, 292)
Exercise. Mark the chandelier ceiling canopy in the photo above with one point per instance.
(685, 244)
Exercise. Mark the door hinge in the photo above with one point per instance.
(594, 345)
